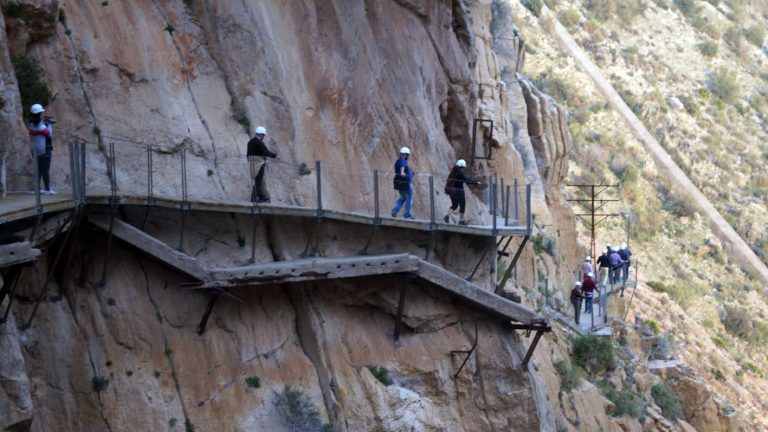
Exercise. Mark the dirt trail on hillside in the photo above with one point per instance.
(738, 249)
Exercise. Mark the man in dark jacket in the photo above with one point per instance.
(256, 150)
(616, 263)
(576, 296)
(588, 287)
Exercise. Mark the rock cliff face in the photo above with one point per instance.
(343, 82)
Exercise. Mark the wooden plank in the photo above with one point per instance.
(476, 295)
(17, 253)
(312, 269)
(152, 246)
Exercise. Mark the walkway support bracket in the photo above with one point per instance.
(208, 309)
(512, 264)
(467, 352)
(540, 329)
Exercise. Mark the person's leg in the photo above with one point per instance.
(399, 203)
(462, 207)
(409, 202)
(625, 270)
(261, 187)
(576, 310)
(44, 166)
(451, 210)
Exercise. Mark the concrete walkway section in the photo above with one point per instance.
(739, 250)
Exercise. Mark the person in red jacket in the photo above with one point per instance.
(588, 287)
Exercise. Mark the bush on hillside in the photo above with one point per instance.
(626, 401)
(708, 48)
(569, 17)
(568, 375)
(688, 8)
(755, 35)
(534, 6)
(297, 410)
(594, 353)
(32, 87)
(668, 400)
(724, 85)
(626, 10)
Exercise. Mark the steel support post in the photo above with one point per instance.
(506, 207)
(432, 223)
(528, 210)
(376, 216)
(319, 190)
(508, 272)
(532, 348)
(495, 204)
(207, 314)
(517, 208)
(467, 352)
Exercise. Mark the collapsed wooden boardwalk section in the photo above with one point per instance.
(302, 270)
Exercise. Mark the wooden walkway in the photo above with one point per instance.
(318, 269)
(16, 206)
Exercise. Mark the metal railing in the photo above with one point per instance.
(188, 174)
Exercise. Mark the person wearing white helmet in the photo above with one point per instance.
(589, 288)
(454, 188)
(257, 150)
(403, 183)
(586, 266)
(603, 266)
(626, 256)
(576, 296)
(41, 145)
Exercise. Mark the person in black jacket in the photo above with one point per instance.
(257, 149)
(454, 187)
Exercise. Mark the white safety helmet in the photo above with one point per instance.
(405, 150)
(578, 283)
(588, 258)
(623, 246)
(36, 109)
(591, 275)
(461, 163)
(605, 251)
(261, 130)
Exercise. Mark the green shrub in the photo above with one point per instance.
(569, 17)
(188, 426)
(626, 402)
(381, 374)
(626, 10)
(653, 325)
(253, 381)
(567, 374)
(542, 243)
(688, 7)
(755, 35)
(708, 48)
(718, 374)
(297, 410)
(669, 401)
(594, 353)
(32, 88)
(534, 6)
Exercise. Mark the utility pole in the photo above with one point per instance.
(593, 205)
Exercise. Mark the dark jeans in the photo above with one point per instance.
(44, 167)
(576, 309)
(259, 192)
(616, 274)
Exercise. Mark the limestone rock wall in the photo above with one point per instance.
(343, 82)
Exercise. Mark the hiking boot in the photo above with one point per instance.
(447, 219)
(394, 214)
(409, 217)
(462, 223)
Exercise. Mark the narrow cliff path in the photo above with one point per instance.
(740, 250)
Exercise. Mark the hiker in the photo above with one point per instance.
(257, 149)
(454, 188)
(586, 266)
(576, 296)
(602, 264)
(625, 255)
(616, 263)
(588, 287)
(41, 145)
(403, 183)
